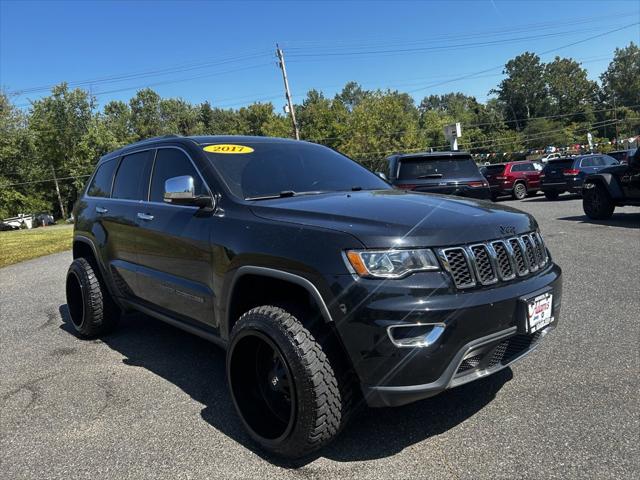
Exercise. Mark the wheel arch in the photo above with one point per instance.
(247, 276)
(85, 248)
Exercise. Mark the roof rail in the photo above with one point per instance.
(152, 139)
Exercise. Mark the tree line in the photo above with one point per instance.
(48, 150)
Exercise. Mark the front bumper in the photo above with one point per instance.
(484, 332)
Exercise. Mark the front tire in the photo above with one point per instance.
(282, 383)
(93, 312)
(597, 203)
(519, 191)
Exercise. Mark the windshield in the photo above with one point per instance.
(431, 167)
(275, 168)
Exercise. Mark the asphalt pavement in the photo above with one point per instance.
(150, 401)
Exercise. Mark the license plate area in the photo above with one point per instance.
(538, 312)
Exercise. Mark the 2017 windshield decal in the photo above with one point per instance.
(228, 149)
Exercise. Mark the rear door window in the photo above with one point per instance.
(434, 167)
(170, 163)
(101, 184)
(132, 178)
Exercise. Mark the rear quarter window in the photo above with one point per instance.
(100, 185)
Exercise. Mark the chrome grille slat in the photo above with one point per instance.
(504, 260)
(489, 262)
(457, 262)
(522, 267)
(483, 264)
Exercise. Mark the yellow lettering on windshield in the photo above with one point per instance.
(228, 148)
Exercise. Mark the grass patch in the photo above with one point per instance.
(19, 245)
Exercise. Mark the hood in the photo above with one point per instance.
(386, 218)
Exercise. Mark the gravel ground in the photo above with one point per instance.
(150, 401)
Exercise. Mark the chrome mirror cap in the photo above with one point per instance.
(179, 189)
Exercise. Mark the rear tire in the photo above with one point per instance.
(551, 195)
(282, 383)
(519, 191)
(91, 308)
(597, 203)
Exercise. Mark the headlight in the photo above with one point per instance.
(391, 263)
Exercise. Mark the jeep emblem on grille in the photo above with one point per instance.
(507, 230)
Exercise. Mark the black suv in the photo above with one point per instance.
(612, 187)
(327, 287)
(567, 174)
(449, 173)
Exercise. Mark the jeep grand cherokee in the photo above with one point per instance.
(327, 287)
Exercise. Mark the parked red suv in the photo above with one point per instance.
(512, 178)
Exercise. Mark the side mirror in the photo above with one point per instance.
(181, 191)
(382, 176)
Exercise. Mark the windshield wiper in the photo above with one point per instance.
(284, 194)
(430, 175)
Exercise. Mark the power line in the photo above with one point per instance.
(128, 76)
(43, 181)
(454, 46)
(388, 40)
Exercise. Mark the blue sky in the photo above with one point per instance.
(224, 51)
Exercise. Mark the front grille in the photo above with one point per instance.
(487, 263)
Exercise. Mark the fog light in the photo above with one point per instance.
(416, 334)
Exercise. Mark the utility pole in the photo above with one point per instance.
(292, 112)
(615, 116)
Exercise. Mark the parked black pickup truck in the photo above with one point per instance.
(327, 287)
(611, 187)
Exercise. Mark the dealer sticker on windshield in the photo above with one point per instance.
(539, 312)
(228, 148)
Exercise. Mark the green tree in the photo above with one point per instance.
(352, 95)
(570, 90)
(59, 123)
(146, 117)
(621, 80)
(382, 123)
(321, 119)
(117, 118)
(523, 93)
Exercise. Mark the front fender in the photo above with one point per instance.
(608, 181)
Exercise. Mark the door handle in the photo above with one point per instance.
(101, 210)
(145, 216)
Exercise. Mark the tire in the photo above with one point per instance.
(597, 203)
(91, 308)
(551, 195)
(294, 405)
(519, 191)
